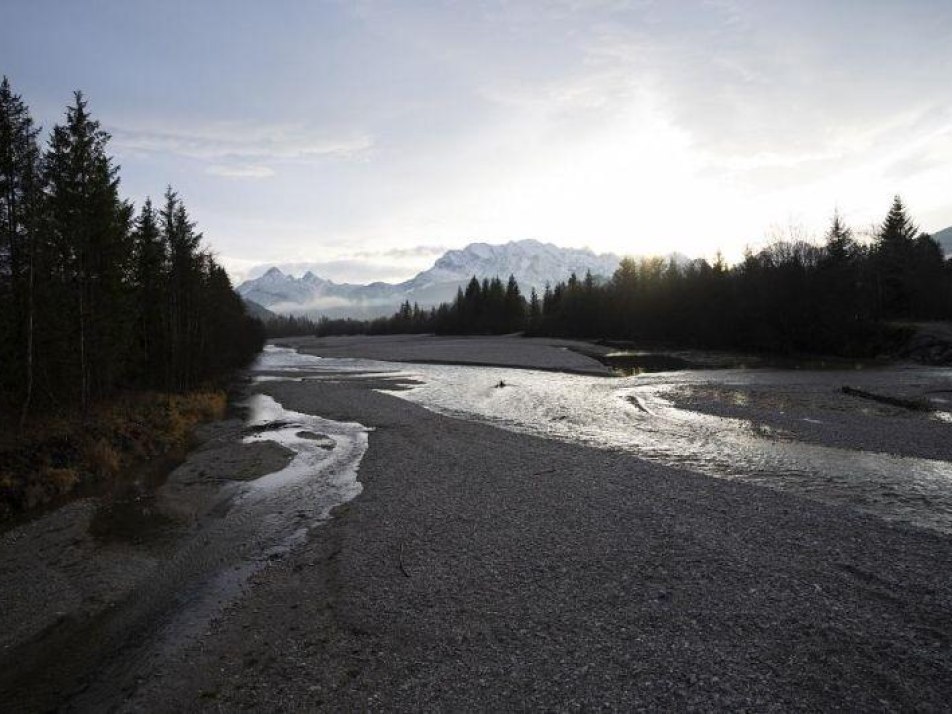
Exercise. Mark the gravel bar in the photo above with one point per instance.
(482, 569)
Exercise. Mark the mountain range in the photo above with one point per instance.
(531, 262)
(944, 239)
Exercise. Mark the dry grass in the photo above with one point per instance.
(101, 459)
(206, 406)
(185, 411)
(62, 480)
(59, 453)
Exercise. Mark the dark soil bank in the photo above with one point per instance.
(486, 570)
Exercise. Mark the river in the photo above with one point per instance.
(645, 415)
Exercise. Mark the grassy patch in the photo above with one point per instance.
(58, 454)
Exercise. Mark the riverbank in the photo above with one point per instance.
(541, 353)
(57, 456)
(99, 581)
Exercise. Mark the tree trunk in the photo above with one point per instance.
(28, 396)
(83, 376)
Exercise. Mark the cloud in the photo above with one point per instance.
(242, 171)
(392, 265)
(932, 152)
(564, 120)
(417, 251)
(238, 268)
(746, 78)
(231, 141)
(322, 303)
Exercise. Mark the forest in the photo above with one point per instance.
(97, 299)
(792, 297)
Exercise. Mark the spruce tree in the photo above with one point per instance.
(150, 279)
(20, 186)
(89, 233)
(898, 228)
(515, 307)
(181, 245)
(894, 262)
(840, 304)
(840, 246)
(535, 312)
(472, 306)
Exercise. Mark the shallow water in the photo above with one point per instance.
(258, 520)
(327, 452)
(148, 583)
(632, 414)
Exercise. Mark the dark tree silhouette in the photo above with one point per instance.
(89, 236)
(150, 261)
(894, 262)
(790, 297)
(20, 186)
(93, 302)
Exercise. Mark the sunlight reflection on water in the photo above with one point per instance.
(632, 414)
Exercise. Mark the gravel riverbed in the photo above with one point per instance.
(485, 569)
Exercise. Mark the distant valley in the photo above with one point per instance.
(533, 264)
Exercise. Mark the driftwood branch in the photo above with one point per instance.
(636, 401)
(918, 405)
(403, 568)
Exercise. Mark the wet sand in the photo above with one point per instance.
(485, 569)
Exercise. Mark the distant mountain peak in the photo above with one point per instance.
(532, 262)
(944, 239)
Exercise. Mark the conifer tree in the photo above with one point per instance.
(181, 245)
(88, 305)
(898, 228)
(514, 307)
(840, 300)
(150, 276)
(840, 246)
(20, 193)
(535, 312)
(89, 232)
(894, 261)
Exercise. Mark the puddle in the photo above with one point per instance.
(136, 521)
(127, 511)
(325, 451)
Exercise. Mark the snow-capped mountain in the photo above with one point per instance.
(944, 239)
(532, 263)
(275, 287)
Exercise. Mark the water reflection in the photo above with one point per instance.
(637, 414)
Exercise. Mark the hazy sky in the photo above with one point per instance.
(371, 135)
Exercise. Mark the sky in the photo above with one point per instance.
(369, 136)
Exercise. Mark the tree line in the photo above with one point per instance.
(484, 307)
(790, 297)
(96, 298)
